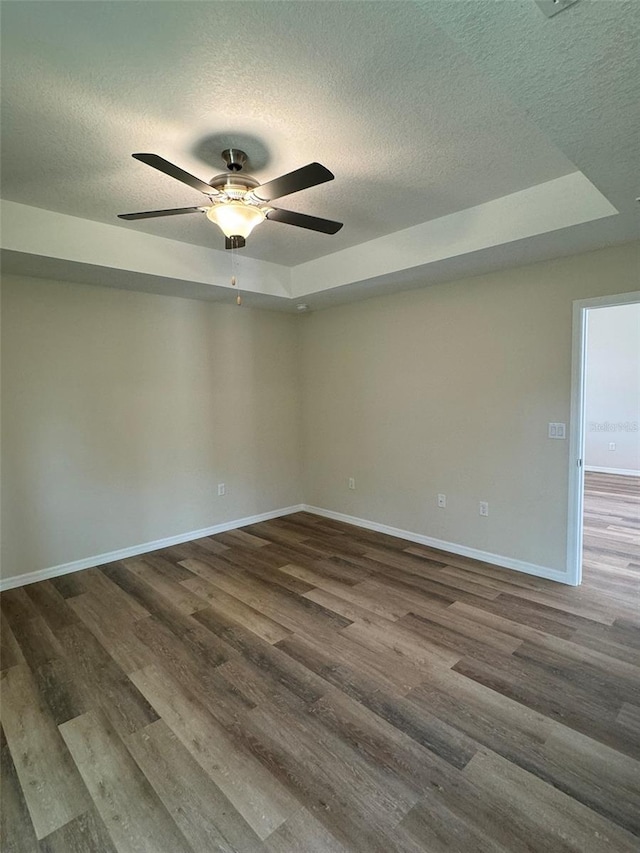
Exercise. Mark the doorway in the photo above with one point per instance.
(604, 453)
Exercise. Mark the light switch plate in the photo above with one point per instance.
(552, 7)
(557, 431)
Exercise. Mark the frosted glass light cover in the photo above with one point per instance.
(235, 219)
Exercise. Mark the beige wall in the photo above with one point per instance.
(123, 411)
(449, 389)
(612, 389)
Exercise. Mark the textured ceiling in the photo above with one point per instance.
(375, 91)
(576, 76)
(420, 109)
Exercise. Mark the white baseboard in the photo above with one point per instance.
(452, 547)
(135, 550)
(146, 547)
(624, 472)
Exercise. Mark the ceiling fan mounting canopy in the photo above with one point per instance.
(238, 202)
(234, 158)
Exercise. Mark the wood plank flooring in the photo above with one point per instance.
(302, 686)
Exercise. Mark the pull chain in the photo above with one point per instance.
(234, 278)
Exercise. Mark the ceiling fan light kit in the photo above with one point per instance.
(236, 218)
(238, 203)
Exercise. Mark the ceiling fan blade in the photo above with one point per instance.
(300, 179)
(313, 223)
(149, 214)
(176, 172)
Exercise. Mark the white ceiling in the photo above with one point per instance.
(421, 109)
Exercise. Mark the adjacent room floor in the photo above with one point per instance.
(611, 549)
(302, 686)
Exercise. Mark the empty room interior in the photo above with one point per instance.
(320, 511)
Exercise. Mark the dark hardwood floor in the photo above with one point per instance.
(302, 686)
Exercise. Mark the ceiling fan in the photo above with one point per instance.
(237, 202)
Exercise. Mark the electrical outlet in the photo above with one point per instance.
(557, 430)
(352, 483)
(442, 501)
(484, 508)
(220, 490)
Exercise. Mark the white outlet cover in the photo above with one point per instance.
(557, 431)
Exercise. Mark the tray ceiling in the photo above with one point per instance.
(422, 110)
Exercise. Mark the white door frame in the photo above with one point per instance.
(576, 429)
